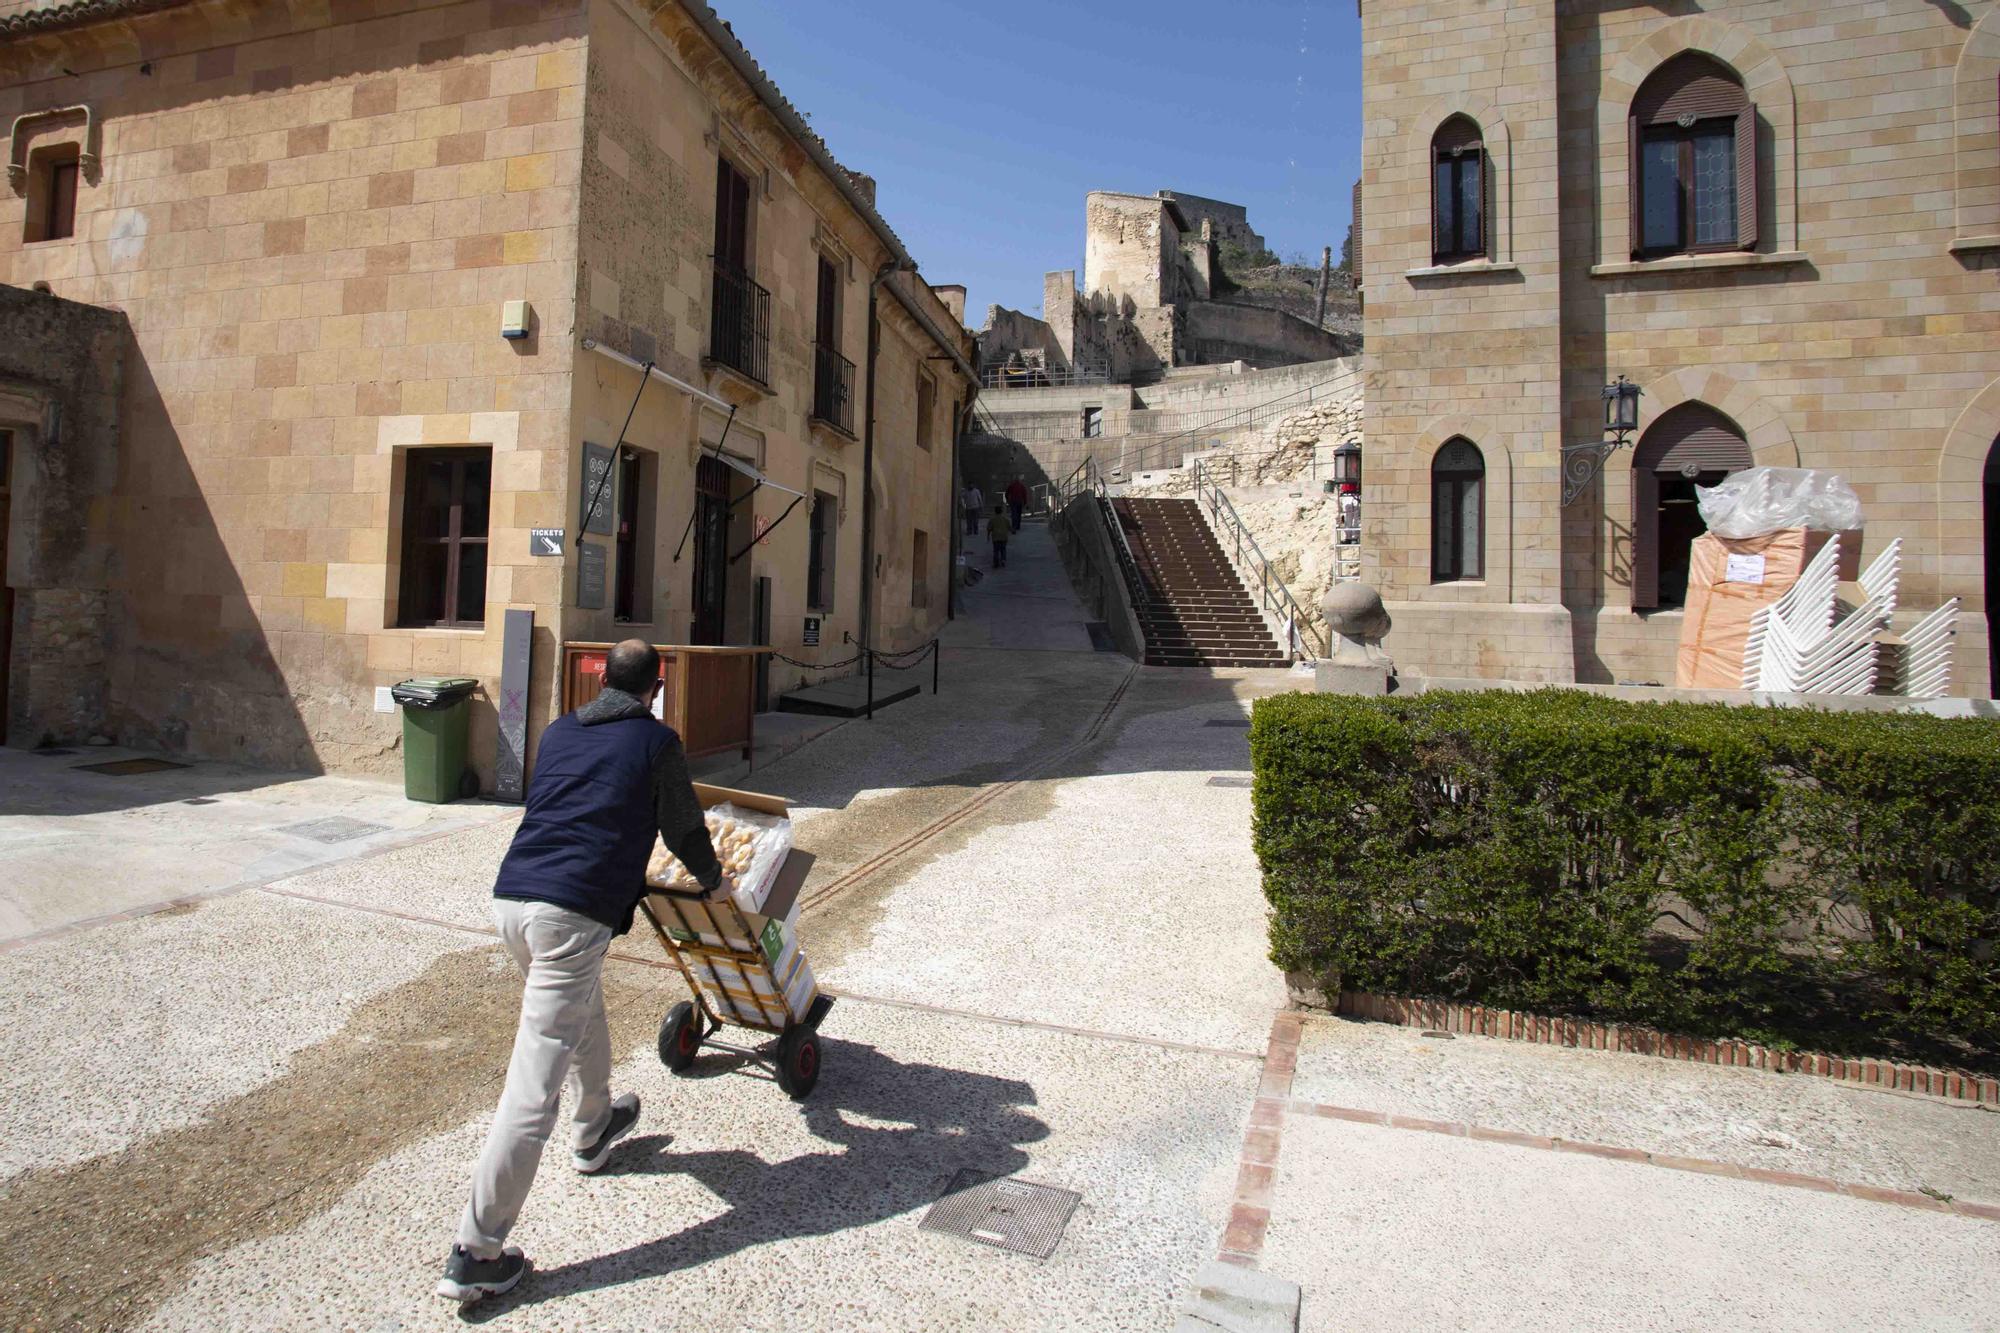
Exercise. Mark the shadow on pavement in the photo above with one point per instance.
(896, 1134)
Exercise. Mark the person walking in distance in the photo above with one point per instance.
(1017, 500)
(999, 530)
(607, 778)
(974, 501)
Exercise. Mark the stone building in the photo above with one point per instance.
(1780, 219)
(316, 309)
(1152, 298)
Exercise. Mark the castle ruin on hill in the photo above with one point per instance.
(1154, 296)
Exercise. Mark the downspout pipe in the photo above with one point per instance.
(882, 275)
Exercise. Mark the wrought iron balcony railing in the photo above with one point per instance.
(740, 325)
(833, 389)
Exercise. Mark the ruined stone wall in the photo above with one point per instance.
(1130, 247)
(1262, 337)
(1230, 222)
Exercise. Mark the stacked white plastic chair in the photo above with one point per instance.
(1779, 632)
(1923, 663)
(1841, 658)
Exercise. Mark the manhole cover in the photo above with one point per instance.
(1243, 722)
(1003, 1212)
(51, 753)
(127, 768)
(1228, 782)
(334, 828)
(199, 800)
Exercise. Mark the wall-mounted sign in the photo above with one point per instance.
(761, 526)
(597, 485)
(590, 576)
(812, 632)
(545, 541)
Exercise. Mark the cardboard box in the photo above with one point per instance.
(1729, 580)
(756, 994)
(783, 977)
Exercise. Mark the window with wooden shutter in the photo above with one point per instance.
(1690, 446)
(1693, 161)
(1458, 192)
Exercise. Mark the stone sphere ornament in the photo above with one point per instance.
(1354, 612)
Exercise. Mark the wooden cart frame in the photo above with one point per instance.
(795, 1058)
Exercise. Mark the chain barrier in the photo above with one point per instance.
(902, 661)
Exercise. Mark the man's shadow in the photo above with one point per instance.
(928, 1123)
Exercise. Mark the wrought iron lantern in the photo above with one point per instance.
(1347, 466)
(1582, 462)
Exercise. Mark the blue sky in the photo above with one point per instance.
(984, 125)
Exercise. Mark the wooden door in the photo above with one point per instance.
(711, 550)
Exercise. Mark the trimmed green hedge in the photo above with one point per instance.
(1828, 879)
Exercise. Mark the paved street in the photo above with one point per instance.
(260, 1108)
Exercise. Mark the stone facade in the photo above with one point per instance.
(1857, 333)
(312, 216)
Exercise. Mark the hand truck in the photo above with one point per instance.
(795, 1057)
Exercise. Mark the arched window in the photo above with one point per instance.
(1693, 137)
(1458, 192)
(1690, 445)
(1458, 512)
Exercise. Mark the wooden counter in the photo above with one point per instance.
(710, 695)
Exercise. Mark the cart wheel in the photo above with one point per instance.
(680, 1037)
(468, 785)
(798, 1062)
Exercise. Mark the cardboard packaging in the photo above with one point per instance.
(781, 979)
(1728, 581)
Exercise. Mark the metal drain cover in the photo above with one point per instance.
(1005, 1213)
(334, 828)
(50, 754)
(1221, 781)
(1242, 722)
(127, 768)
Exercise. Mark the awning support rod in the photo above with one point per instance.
(766, 532)
(617, 449)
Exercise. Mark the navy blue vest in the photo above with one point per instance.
(590, 821)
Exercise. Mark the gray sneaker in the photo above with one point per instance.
(468, 1279)
(624, 1115)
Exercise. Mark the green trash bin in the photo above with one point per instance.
(436, 715)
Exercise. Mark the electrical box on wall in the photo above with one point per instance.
(514, 318)
(384, 701)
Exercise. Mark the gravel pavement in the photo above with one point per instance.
(1045, 926)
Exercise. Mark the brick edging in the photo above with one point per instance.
(1541, 1029)
(1257, 1164)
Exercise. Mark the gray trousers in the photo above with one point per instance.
(562, 1034)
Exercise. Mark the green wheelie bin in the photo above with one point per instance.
(437, 711)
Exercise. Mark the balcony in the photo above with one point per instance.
(740, 329)
(833, 389)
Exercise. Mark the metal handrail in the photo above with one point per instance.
(1024, 376)
(1301, 639)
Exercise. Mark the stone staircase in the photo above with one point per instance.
(1192, 608)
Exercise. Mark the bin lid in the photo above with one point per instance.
(432, 691)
